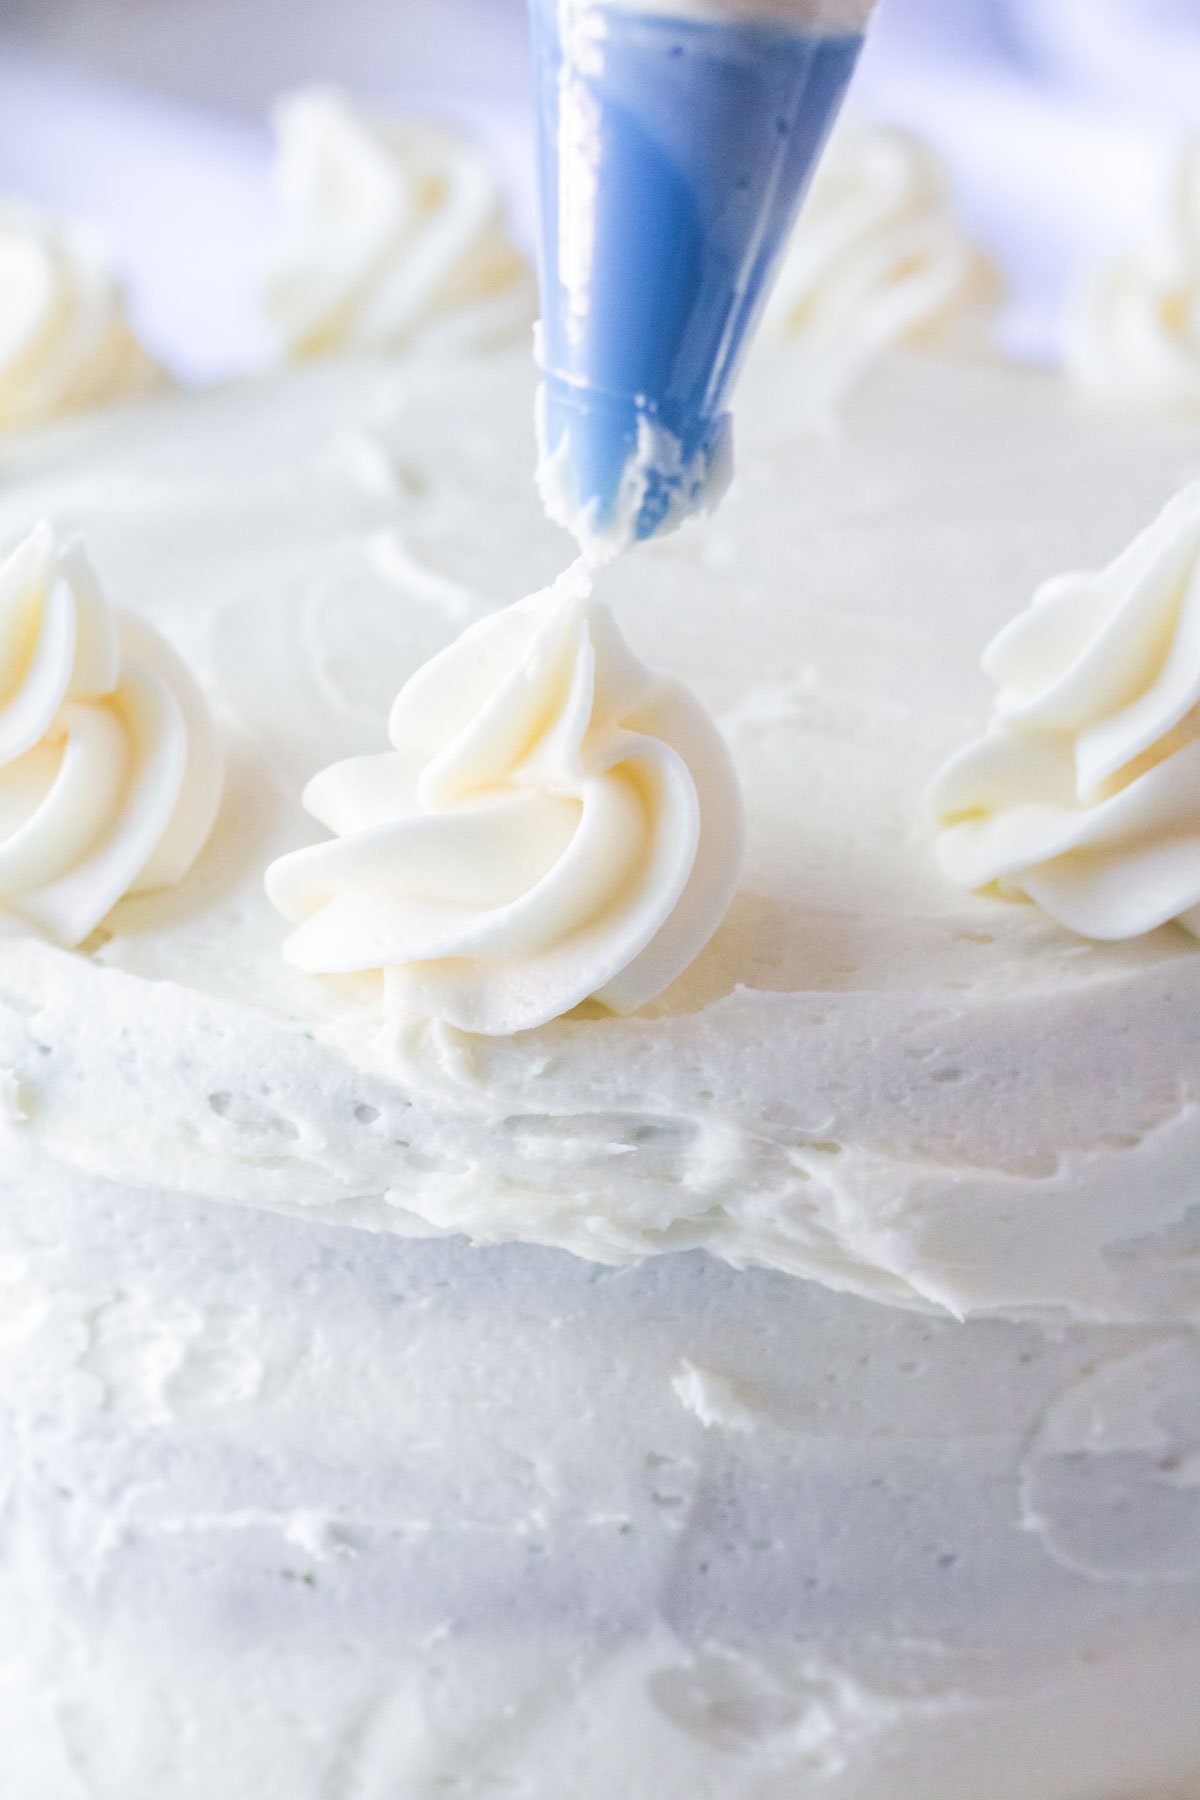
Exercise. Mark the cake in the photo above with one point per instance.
(334, 1502)
(788, 1389)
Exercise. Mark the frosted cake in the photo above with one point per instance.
(787, 1389)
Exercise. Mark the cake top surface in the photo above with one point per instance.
(868, 1077)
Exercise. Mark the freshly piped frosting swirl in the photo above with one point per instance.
(1085, 794)
(391, 231)
(878, 257)
(65, 342)
(1132, 336)
(110, 767)
(554, 823)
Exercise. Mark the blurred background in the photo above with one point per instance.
(1056, 117)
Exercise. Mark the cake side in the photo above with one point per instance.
(295, 1509)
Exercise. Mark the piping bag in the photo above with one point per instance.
(676, 141)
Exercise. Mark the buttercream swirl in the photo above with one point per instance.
(878, 257)
(553, 823)
(65, 342)
(392, 231)
(1132, 334)
(1085, 793)
(110, 766)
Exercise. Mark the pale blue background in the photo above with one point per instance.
(1057, 117)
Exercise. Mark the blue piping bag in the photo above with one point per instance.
(674, 153)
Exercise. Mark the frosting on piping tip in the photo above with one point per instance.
(391, 231)
(1132, 334)
(65, 342)
(1085, 793)
(656, 468)
(110, 765)
(878, 257)
(554, 823)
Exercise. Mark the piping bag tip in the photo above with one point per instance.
(613, 476)
(674, 153)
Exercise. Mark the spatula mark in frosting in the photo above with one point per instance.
(399, 563)
(1111, 1482)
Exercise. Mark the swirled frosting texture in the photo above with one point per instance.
(65, 342)
(1133, 333)
(110, 767)
(1085, 793)
(553, 824)
(392, 231)
(878, 257)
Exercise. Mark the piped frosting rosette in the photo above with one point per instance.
(553, 824)
(878, 257)
(110, 765)
(1133, 332)
(1084, 795)
(65, 341)
(392, 231)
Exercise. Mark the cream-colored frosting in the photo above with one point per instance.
(878, 257)
(552, 824)
(392, 231)
(869, 1076)
(110, 768)
(1084, 795)
(1132, 333)
(65, 341)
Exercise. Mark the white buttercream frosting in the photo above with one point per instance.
(392, 230)
(878, 256)
(488, 1520)
(110, 768)
(1085, 793)
(553, 824)
(1132, 334)
(870, 1077)
(65, 341)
